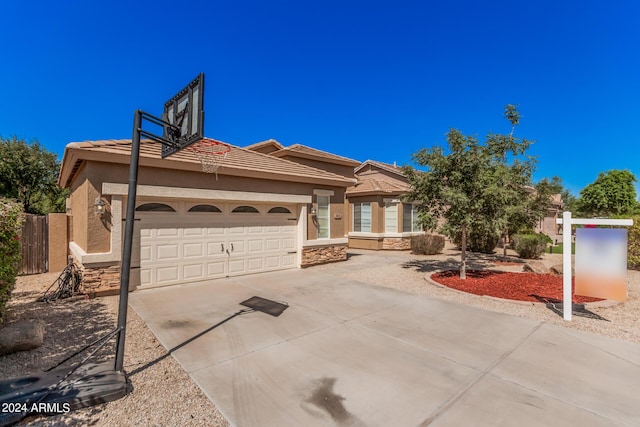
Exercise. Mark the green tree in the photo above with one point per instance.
(477, 188)
(612, 193)
(28, 174)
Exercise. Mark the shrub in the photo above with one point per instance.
(484, 241)
(633, 241)
(529, 246)
(10, 228)
(427, 244)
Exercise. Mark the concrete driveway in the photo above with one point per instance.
(348, 354)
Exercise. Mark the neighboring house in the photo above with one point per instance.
(547, 225)
(261, 213)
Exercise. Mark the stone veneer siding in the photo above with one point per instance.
(396, 243)
(323, 254)
(99, 279)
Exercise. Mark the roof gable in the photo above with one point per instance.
(265, 147)
(303, 151)
(372, 164)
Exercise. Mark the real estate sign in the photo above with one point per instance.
(601, 263)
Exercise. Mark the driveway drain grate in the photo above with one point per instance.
(264, 305)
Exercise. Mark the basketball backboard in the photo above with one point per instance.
(185, 112)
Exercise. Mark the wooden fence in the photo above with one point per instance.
(35, 244)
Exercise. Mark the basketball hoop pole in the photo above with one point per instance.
(125, 266)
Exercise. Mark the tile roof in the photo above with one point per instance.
(385, 166)
(378, 185)
(308, 152)
(264, 144)
(239, 162)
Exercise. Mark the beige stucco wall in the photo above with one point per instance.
(58, 245)
(79, 208)
(325, 166)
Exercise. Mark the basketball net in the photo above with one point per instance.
(211, 154)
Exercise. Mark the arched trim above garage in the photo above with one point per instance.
(154, 207)
(205, 208)
(245, 209)
(279, 210)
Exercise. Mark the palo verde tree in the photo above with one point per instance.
(477, 188)
(612, 193)
(29, 174)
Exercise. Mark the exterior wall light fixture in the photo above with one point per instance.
(99, 207)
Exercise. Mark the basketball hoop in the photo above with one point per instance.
(211, 154)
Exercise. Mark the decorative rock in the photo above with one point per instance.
(21, 336)
(536, 267)
(558, 270)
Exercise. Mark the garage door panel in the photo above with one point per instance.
(256, 229)
(255, 264)
(272, 261)
(215, 248)
(193, 271)
(237, 266)
(288, 244)
(145, 276)
(193, 250)
(193, 232)
(288, 260)
(256, 245)
(167, 274)
(272, 244)
(236, 247)
(216, 231)
(216, 269)
(167, 232)
(166, 252)
(145, 253)
(272, 229)
(236, 230)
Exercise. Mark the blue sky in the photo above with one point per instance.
(363, 79)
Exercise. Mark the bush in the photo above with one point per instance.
(427, 244)
(529, 246)
(483, 241)
(633, 240)
(10, 228)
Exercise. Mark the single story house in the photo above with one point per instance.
(269, 207)
(261, 212)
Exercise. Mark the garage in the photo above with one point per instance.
(184, 242)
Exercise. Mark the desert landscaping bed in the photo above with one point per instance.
(508, 285)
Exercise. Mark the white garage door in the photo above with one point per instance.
(180, 247)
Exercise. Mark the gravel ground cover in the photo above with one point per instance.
(162, 394)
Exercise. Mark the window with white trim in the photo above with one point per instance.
(322, 216)
(410, 218)
(362, 217)
(391, 217)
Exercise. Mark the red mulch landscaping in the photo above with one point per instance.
(515, 286)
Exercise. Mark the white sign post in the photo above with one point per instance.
(567, 224)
